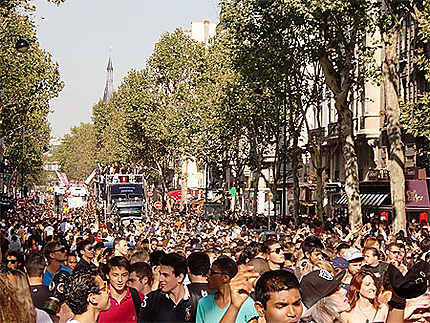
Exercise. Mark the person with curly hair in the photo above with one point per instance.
(87, 296)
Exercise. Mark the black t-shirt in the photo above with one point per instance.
(378, 270)
(39, 294)
(159, 307)
(85, 266)
(198, 291)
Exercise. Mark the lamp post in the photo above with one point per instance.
(22, 45)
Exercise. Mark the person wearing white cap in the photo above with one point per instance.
(355, 260)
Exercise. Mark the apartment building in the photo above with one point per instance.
(368, 106)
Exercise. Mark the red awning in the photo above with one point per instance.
(417, 195)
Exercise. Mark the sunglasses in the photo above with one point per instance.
(212, 272)
(12, 261)
(396, 252)
(277, 250)
(63, 249)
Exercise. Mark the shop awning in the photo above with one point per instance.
(367, 200)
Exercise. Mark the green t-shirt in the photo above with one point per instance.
(209, 312)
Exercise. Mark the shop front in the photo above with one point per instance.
(417, 201)
(375, 200)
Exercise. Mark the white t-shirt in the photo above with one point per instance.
(42, 317)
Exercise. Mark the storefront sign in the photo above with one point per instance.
(414, 196)
(417, 194)
(373, 174)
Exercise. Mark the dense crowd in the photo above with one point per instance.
(74, 267)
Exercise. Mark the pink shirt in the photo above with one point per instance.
(120, 312)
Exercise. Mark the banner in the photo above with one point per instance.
(90, 178)
(64, 179)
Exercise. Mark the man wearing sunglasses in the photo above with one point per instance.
(85, 250)
(213, 307)
(87, 296)
(12, 259)
(274, 254)
(55, 254)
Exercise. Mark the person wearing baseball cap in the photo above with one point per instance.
(355, 259)
(323, 296)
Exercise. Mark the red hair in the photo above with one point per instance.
(355, 286)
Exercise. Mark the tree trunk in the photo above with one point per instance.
(396, 162)
(320, 189)
(294, 173)
(255, 186)
(184, 184)
(351, 165)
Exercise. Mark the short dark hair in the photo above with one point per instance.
(50, 247)
(176, 261)
(267, 244)
(117, 261)
(81, 246)
(274, 281)
(311, 243)
(342, 245)
(198, 263)
(12, 253)
(81, 284)
(227, 265)
(35, 265)
(425, 245)
(142, 269)
(155, 257)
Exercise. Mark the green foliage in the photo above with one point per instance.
(77, 154)
(27, 82)
(415, 118)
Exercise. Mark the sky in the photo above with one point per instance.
(80, 33)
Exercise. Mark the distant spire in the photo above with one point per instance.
(109, 80)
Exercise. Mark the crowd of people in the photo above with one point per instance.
(75, 267)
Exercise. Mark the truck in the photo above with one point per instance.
(124, 197)
(77, 196)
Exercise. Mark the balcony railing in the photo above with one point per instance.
(333, 130)
(316, 134)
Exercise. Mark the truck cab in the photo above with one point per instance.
(125, 197)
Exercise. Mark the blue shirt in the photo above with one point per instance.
(47, 275)
(208, 311)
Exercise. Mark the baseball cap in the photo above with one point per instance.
(340, 262)
(353, 254)
(413, 284)
(317, 285)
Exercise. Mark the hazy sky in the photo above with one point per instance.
(79, 34)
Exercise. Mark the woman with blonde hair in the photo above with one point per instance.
(13, 308)
(363, 299)
(20, 283)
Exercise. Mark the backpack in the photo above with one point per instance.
(136, 300)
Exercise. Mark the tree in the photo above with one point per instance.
(77, 154)
(337, 32)
(415, 119)
(27, 82)
(153, 109)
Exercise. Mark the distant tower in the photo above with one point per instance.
(109, 82)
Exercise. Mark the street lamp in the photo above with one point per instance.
(22, 45)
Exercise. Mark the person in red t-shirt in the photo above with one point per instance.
(125, 301)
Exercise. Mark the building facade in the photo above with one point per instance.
(368, 106)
